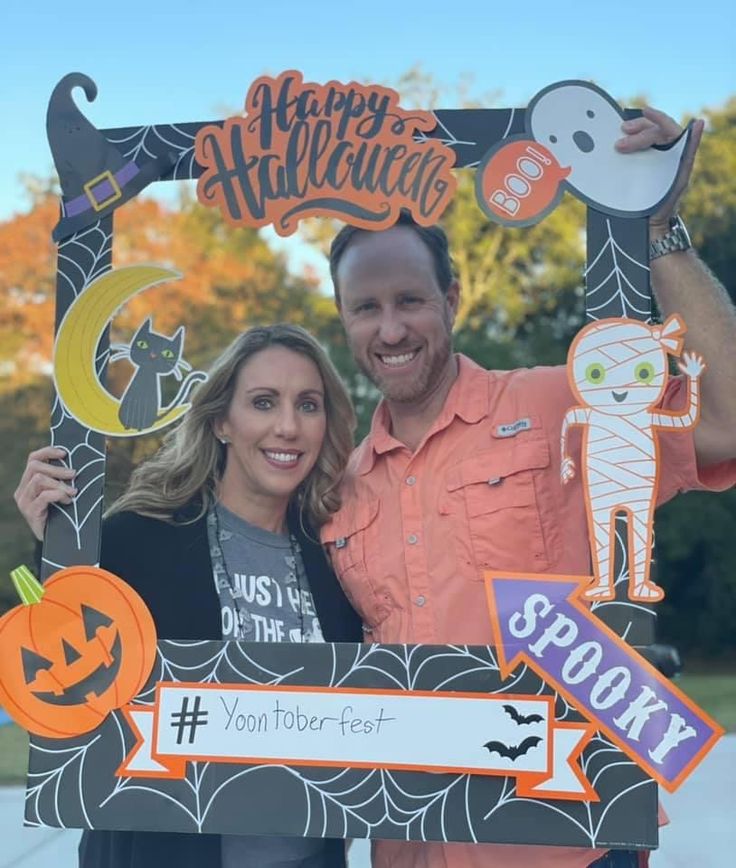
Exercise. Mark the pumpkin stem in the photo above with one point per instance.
(29, 589)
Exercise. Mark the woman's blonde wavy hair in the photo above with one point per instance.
(190, 464)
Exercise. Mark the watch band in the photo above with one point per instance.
(676, 238)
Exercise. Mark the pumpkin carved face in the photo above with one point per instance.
(82, 645)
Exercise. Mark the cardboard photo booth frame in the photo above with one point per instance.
(557, 766)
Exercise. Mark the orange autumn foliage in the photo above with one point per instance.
(230, 280)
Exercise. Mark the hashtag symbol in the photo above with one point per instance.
(186, 718)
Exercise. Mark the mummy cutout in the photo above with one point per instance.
(618, 372)
(580, 124)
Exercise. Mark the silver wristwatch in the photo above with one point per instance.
(676, 238)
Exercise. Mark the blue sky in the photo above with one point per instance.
(153, 63)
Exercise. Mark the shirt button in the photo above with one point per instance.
(410, 480)
(420, 600)
(412, 539)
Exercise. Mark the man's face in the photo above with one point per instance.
(398, 321)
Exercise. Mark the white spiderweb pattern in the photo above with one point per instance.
(614, 282)
(72, 783)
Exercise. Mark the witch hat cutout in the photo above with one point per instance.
(95, 177)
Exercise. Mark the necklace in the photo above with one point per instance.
(220, 567)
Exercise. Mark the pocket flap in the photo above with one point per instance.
(350, 521)
(492, 465)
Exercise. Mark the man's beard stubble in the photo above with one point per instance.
(409, 391)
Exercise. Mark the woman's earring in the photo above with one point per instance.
(224, 440)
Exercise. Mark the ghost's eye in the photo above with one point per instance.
(553, 139)
(595, 373)
(644, 372)
(590, 114)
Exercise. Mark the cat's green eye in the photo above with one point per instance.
(644, 373)
(595, 373)
(167, 354)
(142, 345)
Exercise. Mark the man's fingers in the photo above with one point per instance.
(651, 135)
(636, 125)
(668, 125)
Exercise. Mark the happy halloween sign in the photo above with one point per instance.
(303, 149)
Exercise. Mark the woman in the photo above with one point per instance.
(237, 490)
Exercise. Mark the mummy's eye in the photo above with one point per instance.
(595, 373)
(644, 372)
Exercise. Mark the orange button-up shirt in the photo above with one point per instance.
(482, 491)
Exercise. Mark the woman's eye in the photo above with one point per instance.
(310, 406)
(262, 403)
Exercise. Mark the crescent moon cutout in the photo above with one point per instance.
(75, 374)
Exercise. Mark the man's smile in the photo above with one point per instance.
(397, 360)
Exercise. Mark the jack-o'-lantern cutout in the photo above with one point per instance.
(78, 647)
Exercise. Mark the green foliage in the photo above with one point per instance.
(710, 206)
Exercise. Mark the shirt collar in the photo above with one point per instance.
(468, 398)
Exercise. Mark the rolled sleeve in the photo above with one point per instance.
(678, 464)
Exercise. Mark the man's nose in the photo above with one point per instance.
(392, 328)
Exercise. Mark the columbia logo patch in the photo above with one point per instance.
(513, 428)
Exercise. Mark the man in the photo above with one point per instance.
(461, 469)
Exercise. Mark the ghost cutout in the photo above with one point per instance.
(580, 124)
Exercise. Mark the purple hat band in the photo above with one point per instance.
(101, 191)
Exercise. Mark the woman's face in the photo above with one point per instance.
(275, 424)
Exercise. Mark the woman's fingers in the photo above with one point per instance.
(43, 483)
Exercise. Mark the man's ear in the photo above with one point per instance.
(453, 299)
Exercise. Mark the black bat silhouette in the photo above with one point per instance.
(519, 718)
(512, 751)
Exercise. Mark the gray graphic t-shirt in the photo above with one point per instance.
(264, 591)
(264, 597)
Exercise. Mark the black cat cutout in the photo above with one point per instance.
(155, 356)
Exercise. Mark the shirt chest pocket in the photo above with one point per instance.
(494, 502)
(352, 540)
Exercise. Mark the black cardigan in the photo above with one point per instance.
(169, 566)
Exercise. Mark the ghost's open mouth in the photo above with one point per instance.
(584, 141)
(619, 396)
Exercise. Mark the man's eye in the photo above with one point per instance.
(365, 307)
(410, 299)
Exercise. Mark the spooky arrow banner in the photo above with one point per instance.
(364, 728)
(539, 620)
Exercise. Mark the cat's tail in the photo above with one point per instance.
(183, 393)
